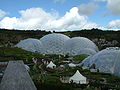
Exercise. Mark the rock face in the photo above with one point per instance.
(107, 61)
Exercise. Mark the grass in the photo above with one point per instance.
(17, 54)
(80, 57)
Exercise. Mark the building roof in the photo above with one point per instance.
(51, 65)
(78, 78)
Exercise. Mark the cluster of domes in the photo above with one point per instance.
(59, 44)
(107, 61)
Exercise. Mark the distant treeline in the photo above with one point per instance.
(14, 36)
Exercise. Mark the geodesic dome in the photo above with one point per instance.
(87, 51)
(107, 61)
(30, 44)
(59, 44)
(53, 43)
(77, 45)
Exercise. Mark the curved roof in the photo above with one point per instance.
(56, 43)
(107, 60)
(87, 51)
(31, 44)
(74, 45)
(53, 43)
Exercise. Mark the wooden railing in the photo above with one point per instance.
(16, 77)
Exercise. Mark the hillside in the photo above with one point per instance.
(101, 38)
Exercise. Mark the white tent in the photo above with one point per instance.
(72, 65)
(51, 65)
(78, 78)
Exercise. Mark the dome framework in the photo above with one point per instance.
(77, 45)
(30, 44)
(107, 61)
(56, 43)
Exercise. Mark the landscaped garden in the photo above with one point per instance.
(49, 79)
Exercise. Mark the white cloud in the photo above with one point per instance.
(2, 13)
(8, 23)
(37, 18)
(115, 24)
(87, 9)
(114, 6)
(84, 25)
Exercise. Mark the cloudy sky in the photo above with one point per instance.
(59, 15)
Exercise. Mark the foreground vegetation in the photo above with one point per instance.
(49, 79)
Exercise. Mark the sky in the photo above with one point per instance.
(60, 15)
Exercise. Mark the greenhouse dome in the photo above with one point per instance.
(30, 44)
(87, 51)
(56, 43)
(107, 61)
(53, 43)
(78, 45)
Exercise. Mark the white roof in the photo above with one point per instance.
(51, 65)
(78, 78)
(72, 65)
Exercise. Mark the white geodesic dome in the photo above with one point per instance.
(107, 61)
(54, 43)
(87, 51)
(74, 45)
(30, 44)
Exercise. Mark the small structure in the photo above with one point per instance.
(27, 67)
(16, 77)
(85, 67)
(62, 66)
(66, 61)
(93, 70)
(78, 78)
(51, 65)
(71, 65)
